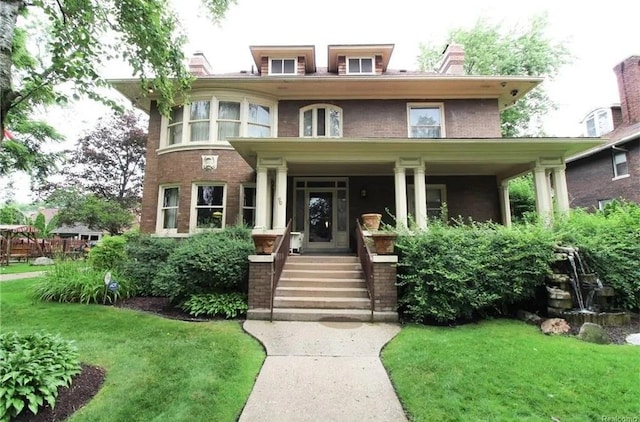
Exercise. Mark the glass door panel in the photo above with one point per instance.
(320, 219)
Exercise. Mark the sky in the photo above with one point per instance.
(599, 35)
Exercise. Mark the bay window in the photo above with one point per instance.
(168, 210)
(208, 206)
(214, 119)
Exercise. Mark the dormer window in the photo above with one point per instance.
(599, 122)
(321, 120)
(360, 65)
(282, 66)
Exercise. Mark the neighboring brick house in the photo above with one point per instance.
(319, 146)
(612, 170)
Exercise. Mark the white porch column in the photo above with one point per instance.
(420, 196)
(543, 196)
(262, 192)
(280, 199)
(505, 203)
(560, 188)
(401, 196)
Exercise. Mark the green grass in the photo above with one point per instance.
(22, 267)
(506, 371)
(157, 369)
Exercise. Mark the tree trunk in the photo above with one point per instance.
(9, 11)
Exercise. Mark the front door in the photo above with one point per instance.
(321, 213)
(320, 219)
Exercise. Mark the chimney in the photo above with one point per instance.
(199, 65)
(628, 74)
(453, 60)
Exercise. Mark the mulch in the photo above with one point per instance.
(87, 383)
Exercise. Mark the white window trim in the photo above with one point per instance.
(215, 99)
(411, 196)
(596, 122)
(193, 217)
(360, 58)
(327, 122)
(295, 66)
(616, 152)
(160, 210)
(603, 203)
(241, 205)
(440, 105)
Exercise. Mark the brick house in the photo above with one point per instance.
(610, 171)
(319, 146)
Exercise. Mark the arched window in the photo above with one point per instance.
(321, 120)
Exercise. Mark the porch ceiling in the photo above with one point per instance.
(503, 157)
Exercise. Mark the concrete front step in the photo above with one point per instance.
(345, 292)
(328, 315)
(321, 273)
(326, 266)
(321, 302)
(322, 282)
(320, 259)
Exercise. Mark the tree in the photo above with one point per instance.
(10, 214)
(45, 228)
(522, 51)
(108, 161)
(78, 36)
(96, 213)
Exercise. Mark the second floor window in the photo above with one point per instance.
(214, 119)
(322, 120)
(425, 121)
(620, 165)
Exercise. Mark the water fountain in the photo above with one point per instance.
(576, 294)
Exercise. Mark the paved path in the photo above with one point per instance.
(7, 277)
(322, 371)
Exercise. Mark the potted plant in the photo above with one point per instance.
(384, 242)
(264, 242)
(371, 221)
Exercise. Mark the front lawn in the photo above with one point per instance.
(505, 370)
(157, 369)
(22, 267)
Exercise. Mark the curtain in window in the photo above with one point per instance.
(170, 205)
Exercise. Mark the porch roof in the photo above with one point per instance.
(502, 157)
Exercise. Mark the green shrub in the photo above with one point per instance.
(108, 254)
(609, 242)
(228, 304)
(206, 263)
(144, 255)
(33, 367)
(72, 281)
(465, 271)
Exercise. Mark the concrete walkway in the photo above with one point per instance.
(7, 277)
(322, 371)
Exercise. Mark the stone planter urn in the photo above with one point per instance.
(264, 242)
(371, 221)
(384, 242)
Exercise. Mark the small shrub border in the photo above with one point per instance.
(229, 305)
(33, 367)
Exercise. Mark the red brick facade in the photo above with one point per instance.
(388, 118)
(590, 179)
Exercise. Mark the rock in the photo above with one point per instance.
(593, 333)
(528, 317)
(555, 326)
(633, 339)
(555, 293)
(43, 260)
